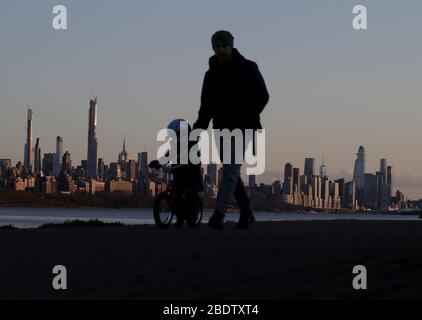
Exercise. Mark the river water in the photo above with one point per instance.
(34, 217)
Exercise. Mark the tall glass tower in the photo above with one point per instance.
(309, 168)
(92, 140)
(323, 168)
(28, 157)
(57, 167)
(359, 171)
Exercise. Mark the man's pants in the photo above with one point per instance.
(232, 185)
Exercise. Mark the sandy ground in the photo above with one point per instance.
(274, 260)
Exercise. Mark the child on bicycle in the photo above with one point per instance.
(187, 179)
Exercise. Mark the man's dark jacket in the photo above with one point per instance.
(233, 95)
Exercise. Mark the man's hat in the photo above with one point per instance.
(222, 36)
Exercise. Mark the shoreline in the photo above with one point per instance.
(33, 218)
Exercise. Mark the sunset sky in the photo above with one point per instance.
(332, 88)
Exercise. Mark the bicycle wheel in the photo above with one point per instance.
(163, 215)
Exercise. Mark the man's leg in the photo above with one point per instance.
(244, 203)
(241, 196)
(229, 183)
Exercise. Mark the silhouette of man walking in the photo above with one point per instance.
(233, 95)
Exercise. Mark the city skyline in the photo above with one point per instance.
(332, 88)
(365, 192)
(309, 165)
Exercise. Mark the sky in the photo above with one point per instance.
(332, 88)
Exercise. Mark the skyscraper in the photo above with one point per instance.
(66, 162)
(143, 164)
(359, 170)
(370, 192)
(28, 156)
(37, 157)
(325, 192)
(288, 179)
(350, 195)
(59, 154)
(323, 169)
(309, 169)
(341, 190)
(92, 140)
(123, 155)
(384, 192)
(383, 169)
(48, 163)
(252, 180)
(390, 180)
(101, 168)
(316, 191)
(296, 181)
(131, 170)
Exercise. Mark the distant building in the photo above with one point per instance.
(390, 180)
(37, 157)
(317, 191)
(28, 155)
(143, 169)
(383, 170)
(288, 179)
(101, 168)
(325, 192)
(252, 180)
(277, 189)
(323, 168)
(297, 190)
(309, 168)
(23, 184)
(66, 163)
(48, 184)
(384, 184)
(383, 198)
(350, 195)
(359, 170)
(59, 154)
(92, 140)
(131, 170)
(296, 180)
(115, 172)
(5, 166)
(65, 182)
(123, 155)
(335, 195)
(370, 192)
(122, 186)
(341, 191)
(5, 163)
(48, 163)
(96, 186)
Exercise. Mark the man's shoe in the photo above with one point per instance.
(246, 219)
(217, 220)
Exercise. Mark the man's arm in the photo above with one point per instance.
(205, 112)
(261, 96)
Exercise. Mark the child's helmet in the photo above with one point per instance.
(179, 125)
